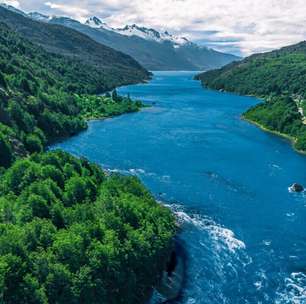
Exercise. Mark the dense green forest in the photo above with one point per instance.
(46, 96)
(71, 234)
(280, 78)
(106, 68)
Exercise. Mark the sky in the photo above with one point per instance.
(241, 27)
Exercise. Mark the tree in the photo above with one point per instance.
(115, 95)
(2, 81)
(6, 154)
(33, 143)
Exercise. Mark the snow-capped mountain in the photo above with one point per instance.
(142, 32)
(151, 34)
(153, 49)
(97, 23)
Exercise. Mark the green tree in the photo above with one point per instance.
(6, 155)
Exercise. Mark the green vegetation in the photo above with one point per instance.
(280, 114)
(93, 107)
(45, 97)
(71, 234)
(278, 77)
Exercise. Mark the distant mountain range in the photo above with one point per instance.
(114, 68)
(151, 48)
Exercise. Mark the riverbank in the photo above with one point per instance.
(280, 112)
(292, 140)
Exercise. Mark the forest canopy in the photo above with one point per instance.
(69, 233)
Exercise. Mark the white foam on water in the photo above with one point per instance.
(216, 232)
(277, 166)
(137, 171)
(131, 171)
(295, 290)
(261, 279)
(266, 242)
(223, 258)
(114, 170)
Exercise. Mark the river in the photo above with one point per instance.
(243, 232)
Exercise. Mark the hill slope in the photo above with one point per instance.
(279, 77)
(276, 72)
(45, 96)
(203, 58)
(116, 67)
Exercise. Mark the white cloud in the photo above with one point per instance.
(14, 3)
(245, 25)
(75, 11)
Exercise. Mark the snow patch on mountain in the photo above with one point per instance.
(151, 34)
(39, 17)
(97, 23)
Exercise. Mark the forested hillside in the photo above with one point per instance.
(280, 78)
(70, 234)
(45, 97)
(114, 68)
(276, 72)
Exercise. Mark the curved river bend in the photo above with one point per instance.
(244, 233)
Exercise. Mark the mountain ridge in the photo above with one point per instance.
(152, 49)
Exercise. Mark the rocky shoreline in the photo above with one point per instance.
(173, 277)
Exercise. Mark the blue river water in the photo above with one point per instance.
(243, 231)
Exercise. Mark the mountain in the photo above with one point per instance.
(280, 78)
(204, 58)
(117, 68)
(154, 50)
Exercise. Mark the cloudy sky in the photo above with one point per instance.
(237, 26)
